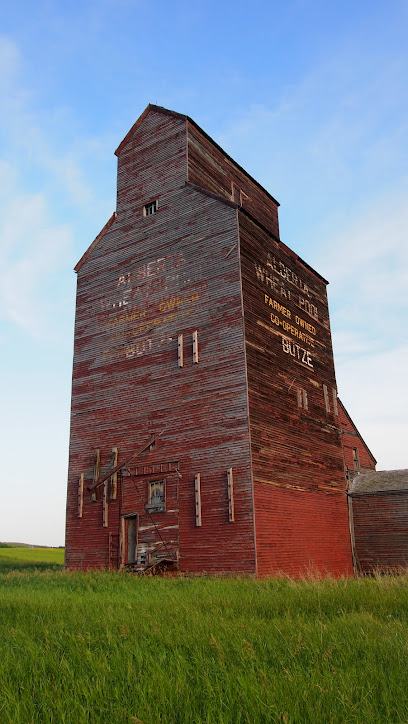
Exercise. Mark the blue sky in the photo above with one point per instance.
(310, 97)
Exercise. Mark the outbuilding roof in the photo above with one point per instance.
(384, 481)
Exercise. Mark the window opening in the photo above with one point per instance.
(326, 398)
(356, 460)
(335, 407)
(235, 193)
(302, 401)
(156, 496)
(150, 208)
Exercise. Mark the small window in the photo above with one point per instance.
(302, 401)
(335, 406)
(326, 398)
(356, 460)
(150, 208)
(236, 194)
(156, 496)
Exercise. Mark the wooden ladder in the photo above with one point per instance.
(113, 551)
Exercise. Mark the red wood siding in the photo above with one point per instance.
(210, 168)
(151, 164)
(288, 348)
(147, 281)
(301, 532)
(381, 530)
(352, 439)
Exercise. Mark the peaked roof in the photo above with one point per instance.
(356, 431)
(183, 117)
(384, 481)
(95, 241)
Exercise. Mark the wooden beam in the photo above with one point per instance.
(107, 475)
(230, 481)
(114, 477)
(326, 398)
(80, 495)
(105, 505)
(180, 355)
(96, 472)
(195, 347)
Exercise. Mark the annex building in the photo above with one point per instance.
(206, 430)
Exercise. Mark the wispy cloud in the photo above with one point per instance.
(33, 135)
(33, 249)
(372, 386)
(45, 195)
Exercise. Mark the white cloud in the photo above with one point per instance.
(374, 390)
(32, 250)
(34, 137)
(367, 264)
(10, 62)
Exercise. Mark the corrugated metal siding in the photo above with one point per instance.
(147, 281)
(381, 530)
(209, 168)
(288, 347)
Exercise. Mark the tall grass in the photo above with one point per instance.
(109, 647)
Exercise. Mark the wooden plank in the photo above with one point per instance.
(335, 405)
(105, 504)
(96, 472)
(114, 477)
(180, 350)
(230, 483)
(326, 398)
(197, 492)
(80, 495)
(195, 347)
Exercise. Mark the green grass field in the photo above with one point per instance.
(110, 647)
(24, 558)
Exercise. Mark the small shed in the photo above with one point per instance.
(379, 506)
